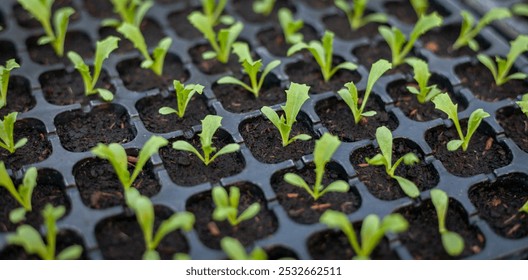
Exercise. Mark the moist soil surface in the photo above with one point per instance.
(404, 11)
(213, 66)
(8, 51)
(369, 54)
(179, 22)
(340, 25)
(440, 42)
(75, 41)
(151, 31)
(100, 8)
(515, 126)
(319, 4)
(274, 41)
(19, 98)
(245, 9)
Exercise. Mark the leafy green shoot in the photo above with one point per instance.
(290, 27)
(398, 43)
(524, 104)
(323, 54)
(424, 93)
(420, 7)
(468, 30)
(102, 51)
(520, 9)
(227, 206)
(355, 13)
(213, 12)
(501, 70)
(209, 126)
(350, 93)
(5, 72)
(371, 233)
(144, 210)
(30, 239)
(443, 103)
(235, 251)
(251, 67)
(183, 97)
(524, 208)
(325, 147)
(263, 7)
(384, 139)
(117, 157)
(23, 194)
(296, 95)
(453, 243)
(154, 62)
(7, 141)
(130, 11)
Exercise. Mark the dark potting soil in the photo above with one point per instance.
(211, 232)
(179, 22)
(107, 123)
(423, 240)
(76, 41)
(25, 19)
(19, 98)
(369, 54)
(499, 202)
(273, 39)
(212, 66)
(440, 42)
(150, 29)
(515, 124)
(8, 51)
(280, 253)
(380, 184)
(340, 25)
(404, 11)
(245, 9)
(301, 206)
(100, 8)
(319, 4)
(120, 237)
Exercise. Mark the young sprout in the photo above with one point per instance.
(7, 141)
(130, 11)
(384, 139)
(41, 10)
(355, 13)
(252, 69)
(371, 233)
(213, 12)
(183, 96)
(424, 93)
(235, 251)
(324, 149)
(5, 72)
(290, 27)
(296, 95)
(144, 210)
(501, 70)
(443, 103)
(524, 208)
(154, 63)
(524, 104)
(227, 206)
(209, 126)
(520, 9)
(102, 51)
(398, 43)
(29, 238)
(350, 93)
(468, 30)
(420, 7)
(323, 54)
(453, 243)
(263, 7)
(23, 194)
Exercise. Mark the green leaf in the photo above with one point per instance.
(395, 223)
(61, 19)
(17, 215)
(149, 148)
(134, 35)
(7, 126)
(5, 72)
(407, 186)
(220, 197)
(103, 50)
(290, 28)
(443, 103)
(263, 7)
(296, 95)
(222, 213)
(488, 62)
(159, 54)
(378, 159)
(520, 9)
(7, 183)
(523, 104)
(210, 125)
(233, 249)
(117, 157)
(369, 234)
(454, 145)
(30, 239)
(185, 146)
(183, 220)
(28, 185)
(440, 201)
(73, 252)
(151, 255)
(105, 94)
(296, 180)
(184, 95)
(233, 81)
(226, 39)
(167, 111)
(337, 186)
(453, 243)
(272, 116)
(384, 138)
(420, 6)
(475, 119)
(250, 212)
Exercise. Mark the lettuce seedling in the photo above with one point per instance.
(424, 93)
(325, 147)
(290, 27)
(209, 126)
(520, 9)
(524, 208)
(296, 95)
(23, 194)
(213, 12)
(235, 251)
(144, 210)
(183, 96)
(453, 243)
(501, 70)
(355, 13)
(443, 103)
(154, 63)
(524, 104)
(371, 233)
(420, 7)
(384, 139)
(130, 11)
(7, 141)
(263, 7)
(468, 30)
(41, 10)
(29, 238)
(227, 206)
(350, 93)
(5, 72)
(323, 54)
(102, 51)
(251, 67)
(398, 43)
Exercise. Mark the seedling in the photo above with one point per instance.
(420, 7)
(355, 13)
(263, 7)
(29, 238)
(154, 63)
(235, 251)
(324, 149)
(453, 243)
(524, 208)
(213, 12)
(424, 93)
(443, 103)
(144, 210)
(350, 93)
(398, 43)
(384, 139)
(41, 10)
(5, 72)
(520, 9)
(102, 51)
(290, 27)
(23, 194)
(130, 11)
(227, 206)
(524, 104)
(209, 126)
(296, 95)
(183, 96)
(323, 54)
(501, 70)
(468, 30)
(7, 141)
(371, 233)
(252, 69)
